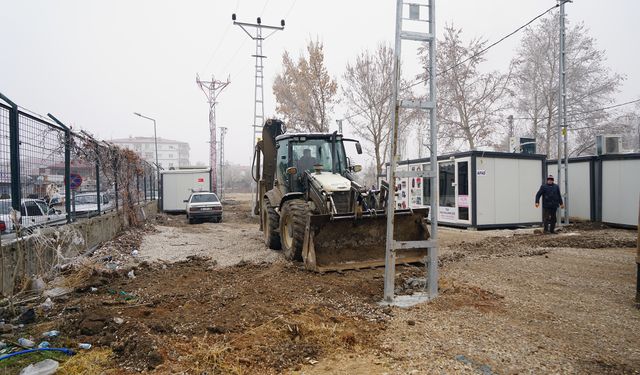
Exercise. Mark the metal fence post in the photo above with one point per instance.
(67, 167)
(115, 178)
(144, 179)
(99, 197)
(137, 187)
(14, 153)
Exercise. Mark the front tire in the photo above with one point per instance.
(270, 225)
(293, 221)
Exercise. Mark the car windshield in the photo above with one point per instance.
(86, 199)
(317, 151)
(204, 198)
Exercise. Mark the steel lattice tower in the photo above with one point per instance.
(212, 90)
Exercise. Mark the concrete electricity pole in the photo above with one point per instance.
(258, 107)
(212, 90)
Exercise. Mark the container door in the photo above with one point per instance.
(447, 192)
(463, 195)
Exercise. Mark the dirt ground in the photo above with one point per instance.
(210, 298)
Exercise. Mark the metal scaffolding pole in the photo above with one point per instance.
(212, 90)
(431, 289)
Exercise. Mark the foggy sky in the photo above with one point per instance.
(93, 63)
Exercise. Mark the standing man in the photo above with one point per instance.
(551, 199)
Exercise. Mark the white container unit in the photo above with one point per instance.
(619, 189)
(582, 198)
(478, 189)
(177, 185)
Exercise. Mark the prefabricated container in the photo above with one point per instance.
(619, 188)
(177, 185)
(478, 189)
(603, 188)
(582, 195)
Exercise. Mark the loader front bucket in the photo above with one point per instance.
(344, 242)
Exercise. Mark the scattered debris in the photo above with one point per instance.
(26, 343)
(44, 367)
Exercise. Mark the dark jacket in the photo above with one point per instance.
(551, 197)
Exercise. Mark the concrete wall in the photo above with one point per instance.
(36, 254)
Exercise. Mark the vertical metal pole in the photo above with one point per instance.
(67, 169)
(432, 266)
(390, 253)
(138, 188)
(14, 149)
(115, 178)
(144, 179)
(98, 196)
(67, 175)
(155, 139)
(212, 141)
(560, 98)
(564, 111)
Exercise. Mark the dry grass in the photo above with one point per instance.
(96, 361)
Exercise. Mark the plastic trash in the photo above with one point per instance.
(45, 367)
(134, 253)
(38, 284)
(53, 333)
(47, 304)
(26, 342)
(131, 275)
(118, 320)
(44, 344)
(93, 289)
(84, 345)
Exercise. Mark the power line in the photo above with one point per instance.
(222, 39)
(582, 112)
(475, 54)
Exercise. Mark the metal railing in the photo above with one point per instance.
(51, 174)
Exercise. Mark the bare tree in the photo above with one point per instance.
(368, 84)
(305, 92)
(469, 101)
(589, 82)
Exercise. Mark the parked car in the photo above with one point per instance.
(86, 203)
(203, 206)
(33, 212)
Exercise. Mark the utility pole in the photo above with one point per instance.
(223, 132)
(339, 122)
(258, 107)
(418, 14)
(562, 118)
(212, 90)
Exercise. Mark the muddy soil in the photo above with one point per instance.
(510, 302)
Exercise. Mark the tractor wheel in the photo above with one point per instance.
(270, 224)
(293, 220)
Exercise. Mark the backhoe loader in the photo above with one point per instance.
(312, 208)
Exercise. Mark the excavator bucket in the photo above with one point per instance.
(344, 242)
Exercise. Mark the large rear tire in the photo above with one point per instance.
(271, 226)
(293, 220)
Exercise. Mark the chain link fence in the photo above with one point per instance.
(52, 175)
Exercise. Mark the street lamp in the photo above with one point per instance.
(155, 139)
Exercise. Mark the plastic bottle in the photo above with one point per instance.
(85, 346)
(53, 333)
(26, 342)
(44, 344)
(46, 367)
